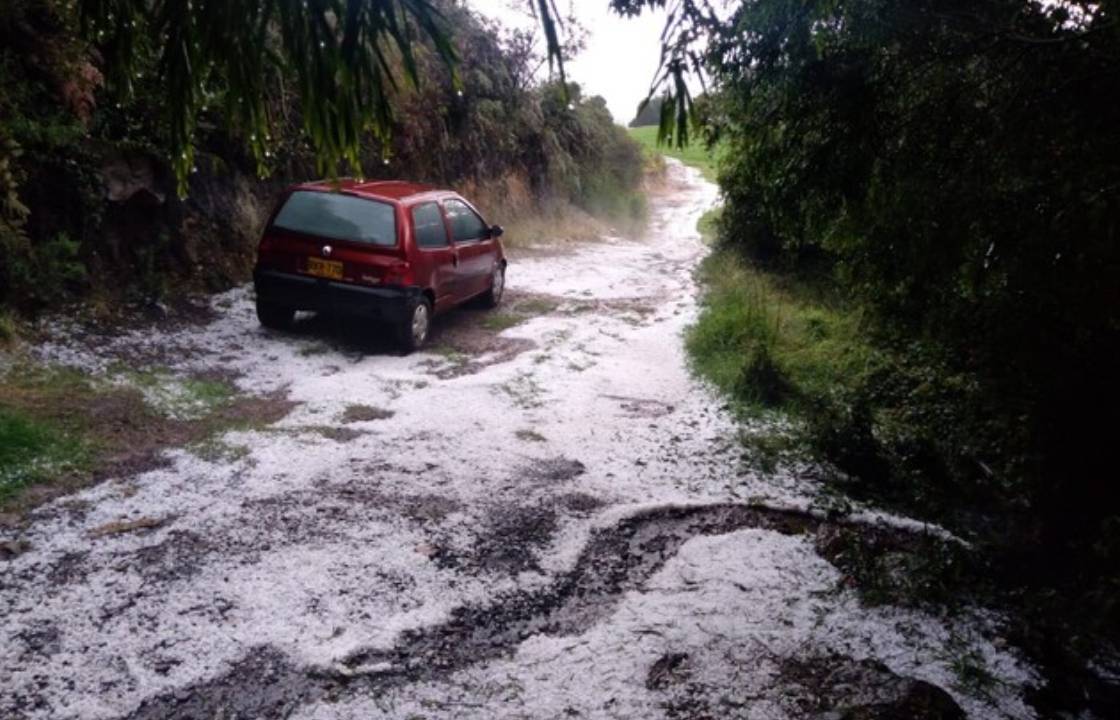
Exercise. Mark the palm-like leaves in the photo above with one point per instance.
(344, 55)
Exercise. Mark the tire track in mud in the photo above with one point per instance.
(618, 559)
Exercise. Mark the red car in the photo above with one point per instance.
(393, 252)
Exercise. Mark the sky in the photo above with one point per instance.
(621, 54)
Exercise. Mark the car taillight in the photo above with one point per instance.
(265, 245)
(399, 273)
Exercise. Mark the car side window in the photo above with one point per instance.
(465, 223)
(427, 224)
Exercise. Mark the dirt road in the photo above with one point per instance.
(548, 520)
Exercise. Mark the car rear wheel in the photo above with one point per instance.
(417, 322)
(493, 296)
(275, 317)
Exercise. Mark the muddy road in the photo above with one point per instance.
(541, 516)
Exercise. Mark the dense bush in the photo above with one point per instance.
(953, 168)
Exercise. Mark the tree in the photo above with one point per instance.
(345, 56)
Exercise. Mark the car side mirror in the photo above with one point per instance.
(496, 231)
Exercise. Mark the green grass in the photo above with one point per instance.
(694, 154)
(500, 321)
(60, 427)
(708, 226)
(8, 331)
(768, 345)
(187, 398)
(32, 450)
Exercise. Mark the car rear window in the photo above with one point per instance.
(342, 217)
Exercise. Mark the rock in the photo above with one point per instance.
(126, 177)
(11, 549)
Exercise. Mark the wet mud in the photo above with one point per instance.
(839, 687)
(617, 560)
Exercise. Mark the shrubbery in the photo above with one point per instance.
(61, 128)
(953, 175)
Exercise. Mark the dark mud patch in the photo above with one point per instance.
(687, 696)
(330, 511)
(365, 413)
(42, 639)
(177, 557)
(616, 560)
(909, 569)
(263, 684)
(429, 508)
(177, 313)
(634, 311)
(641, 407)
(580, 503)
(842, 688)
(670, 669)
(470, 339)
(512, 538)
(461, 359)
(552, 471)
(332, 432)
(11, 549)
(70, 568)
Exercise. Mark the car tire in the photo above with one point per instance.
(492, 297)
(275, 317)
(415, 326)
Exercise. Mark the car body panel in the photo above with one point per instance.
(308, 272)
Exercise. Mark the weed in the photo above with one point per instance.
(708, 225)
(767, 448)
(365, 413)
(214, 449)
(8, 330)
(537, 305)
(970, 669)
(502, 321)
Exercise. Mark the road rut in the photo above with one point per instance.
(552, 522)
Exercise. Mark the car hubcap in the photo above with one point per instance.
(499, 282)
(420, 323)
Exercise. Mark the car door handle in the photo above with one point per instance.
(455, 259)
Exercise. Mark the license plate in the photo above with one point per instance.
(324, 268)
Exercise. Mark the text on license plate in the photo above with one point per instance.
(324, 268)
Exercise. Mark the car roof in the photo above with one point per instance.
(391, 190)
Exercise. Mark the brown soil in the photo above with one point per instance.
(124, 434)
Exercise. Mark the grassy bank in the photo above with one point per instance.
(695, 154)
(61, 428)
(771, 344)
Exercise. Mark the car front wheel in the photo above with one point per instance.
(416, 324)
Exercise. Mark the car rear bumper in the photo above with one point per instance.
(300, 292)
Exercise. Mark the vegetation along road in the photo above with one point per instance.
(540, 516)
(792, 408)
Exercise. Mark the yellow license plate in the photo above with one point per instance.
(324, 268)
